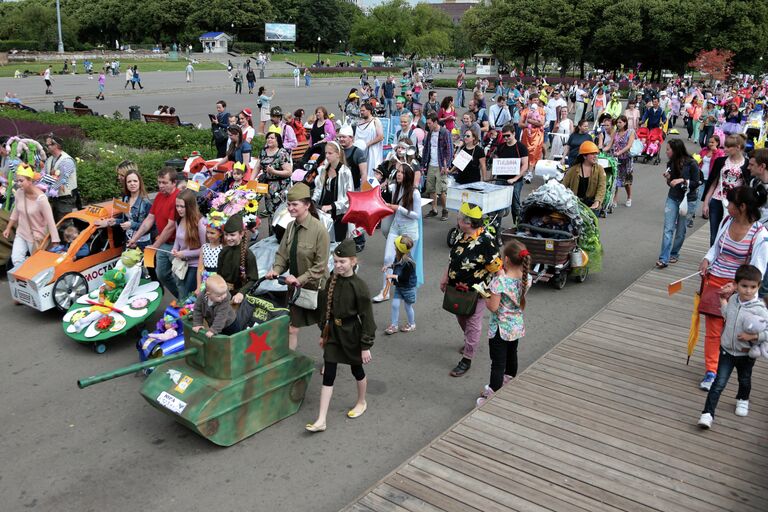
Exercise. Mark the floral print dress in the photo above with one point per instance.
(278, 186)
(625, 160)
(508, 319)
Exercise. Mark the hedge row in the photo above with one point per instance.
(134, 134)
(99, 144)
(17, 44)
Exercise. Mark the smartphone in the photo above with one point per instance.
(211, 117)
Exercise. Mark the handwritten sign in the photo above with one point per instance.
(462, 160)
(193, 186)
(506, 166)
(119, 206)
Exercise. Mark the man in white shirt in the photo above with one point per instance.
(296, 77)
(47, 79)
(498, 114)
(550, 111)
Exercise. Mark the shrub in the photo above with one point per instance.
(11, 44)
(249, 48)
(121, 132)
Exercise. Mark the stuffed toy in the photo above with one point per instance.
(754, 324)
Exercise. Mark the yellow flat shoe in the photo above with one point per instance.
(356, 414)
(311, 427)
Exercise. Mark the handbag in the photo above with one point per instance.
(683, 208)
(307, 299)
(459, 302)
(179, 267)
(709, 303)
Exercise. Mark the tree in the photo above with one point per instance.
(715, 63)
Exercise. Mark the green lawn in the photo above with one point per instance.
(144, 65)
(307, 59)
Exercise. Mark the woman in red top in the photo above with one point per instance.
(447, 114)
(295, 122)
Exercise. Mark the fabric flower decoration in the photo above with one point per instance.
(104, 323)
(252, 206)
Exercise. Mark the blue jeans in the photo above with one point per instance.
(674, 231)
(715, 218)
(187, 285)
(163, 269)
(726, 364)
(518, 188)
(705, 134)
(389, 104)
(460, 97)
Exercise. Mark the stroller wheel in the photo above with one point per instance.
(558, 281)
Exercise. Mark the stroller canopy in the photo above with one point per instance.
(556, 198)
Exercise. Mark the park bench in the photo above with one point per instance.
(169, 120)
(7, 104)
(79, 111)
(299, 151)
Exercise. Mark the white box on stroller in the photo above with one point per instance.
(488, 196)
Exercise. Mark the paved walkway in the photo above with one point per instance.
(605, 421)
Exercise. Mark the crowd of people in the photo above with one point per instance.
(572, 123)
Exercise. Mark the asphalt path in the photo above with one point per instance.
(105, 448)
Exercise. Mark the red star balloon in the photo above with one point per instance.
(366, 209)
(258, 346)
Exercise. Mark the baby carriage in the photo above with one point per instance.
(652, 140)
(550, 226)
(611, 166)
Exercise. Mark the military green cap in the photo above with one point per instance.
(299, 191)
(234, 224)
(345, 249)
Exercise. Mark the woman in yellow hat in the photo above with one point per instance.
(586, 178)
(32, 217)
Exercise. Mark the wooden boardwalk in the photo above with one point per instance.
(604, 421)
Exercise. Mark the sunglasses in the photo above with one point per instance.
(507, 135)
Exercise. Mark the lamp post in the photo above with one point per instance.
(394, 47)
(234, 37)
(318, 51)
(58, 23)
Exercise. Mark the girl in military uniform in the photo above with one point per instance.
(348, 330)
(237, 264)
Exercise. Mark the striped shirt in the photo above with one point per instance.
(734, 253)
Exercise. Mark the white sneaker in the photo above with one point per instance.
(628, 204)
(705, 420)
(742, 407)
(380, 297)
(528, 178)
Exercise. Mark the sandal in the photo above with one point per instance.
(673, 260)
(392, 329)
(661, 264)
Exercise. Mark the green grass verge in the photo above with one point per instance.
(144, 66)
(307, 59)
(320, 75)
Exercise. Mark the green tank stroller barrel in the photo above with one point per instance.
(89, 381)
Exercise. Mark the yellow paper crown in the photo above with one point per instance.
(239, 166)
(473, 212)
(401, 246)
(25, 171)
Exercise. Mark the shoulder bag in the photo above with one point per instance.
(458, 302)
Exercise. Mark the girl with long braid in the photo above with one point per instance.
(506, 303)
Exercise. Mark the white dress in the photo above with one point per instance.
(365, 133)
(561, 137)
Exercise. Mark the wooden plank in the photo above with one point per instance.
(656, 456)
(379, 504)
(495, 499)
(428, 495)
(648, 468)
(678, 446)
(610, 487)
(543, 493)
(689, 438)
(634, 480)
(445, 486)
(404, 500)
(600, 403)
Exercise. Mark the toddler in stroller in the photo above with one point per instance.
(652, 140)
